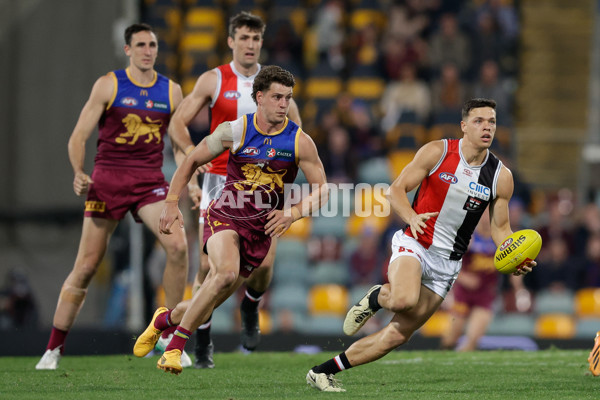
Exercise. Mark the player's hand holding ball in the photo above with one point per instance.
(517, 252)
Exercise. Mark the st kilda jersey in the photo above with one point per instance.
(460, 193)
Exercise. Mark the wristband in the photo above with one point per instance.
(189, 149)
(172, 198)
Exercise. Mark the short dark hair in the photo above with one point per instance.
(476, 103)
(135, 28)
(269, 74)
(244, 18)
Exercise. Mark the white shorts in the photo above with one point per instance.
(438, 273)
(212, 186)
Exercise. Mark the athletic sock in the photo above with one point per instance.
(203, 333)
(163, 321)
(57, 339)
(180, 338)
(165, 334)
(251, 300)
(333, 366)
(373, 303)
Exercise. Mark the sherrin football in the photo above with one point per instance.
(517, 249)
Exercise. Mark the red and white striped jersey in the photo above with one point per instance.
(232, 99)
(460, 193)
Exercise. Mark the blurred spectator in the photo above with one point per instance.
(338, 160)
(486, 41)
(330, 33)
(17, 302)
(490, 86)
(364, 136)
(403, 22)
(555, 271)
(408, 94)
(588, 266)
(557, 222)
(365, 260)
(364, 48)
(587, 225)
(448, 93)
(398, 52)
(449, 45)
(284, 47)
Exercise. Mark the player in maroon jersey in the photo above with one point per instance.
(227, 91)
(457, 180)
(266, 150)
(132, 109)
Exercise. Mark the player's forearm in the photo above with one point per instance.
(398, 198)
(76, 149)
(199, 156)
(312, 203)
(180, 137)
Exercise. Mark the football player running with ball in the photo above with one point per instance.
(458, 179)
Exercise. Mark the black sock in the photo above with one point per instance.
(333, 366)
(373, 303)
(203, 334)
(251, 300)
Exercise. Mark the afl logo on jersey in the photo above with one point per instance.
(448, 178)
(129, 101)
(232, 95)
(271, 152)
(251, 151)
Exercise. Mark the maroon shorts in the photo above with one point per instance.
(466, 299)
(116, 191)
(254, 245)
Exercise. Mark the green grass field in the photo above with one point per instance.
(549, 374)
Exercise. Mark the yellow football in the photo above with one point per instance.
(517, 249)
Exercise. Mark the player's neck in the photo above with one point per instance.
(246, 71)
(473, 155)
(142, 77)
(265, 126)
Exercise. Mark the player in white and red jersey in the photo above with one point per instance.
(457, 180)
(227, 91)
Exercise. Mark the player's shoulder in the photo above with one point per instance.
(432, 151)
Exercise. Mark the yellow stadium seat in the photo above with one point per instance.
(322, 87)
(437, 324)
(198, 42)
(363, 17)
(366, 88)
(555, 326)
(356, 225)
(587, 302)
(328, 299)
(160, 295)
(265, 322)
(406, 135)
(204, 18)
(400, 159)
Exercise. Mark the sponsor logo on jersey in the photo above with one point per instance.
(232, 95)
(251, 151)
(473, 204)
(129, 101)
(284, 154)
(448, 178)
(271, 152)
(468, 172)
(155, 104)
(480, 191)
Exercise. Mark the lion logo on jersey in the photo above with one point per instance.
(136, 128)
(255, 177)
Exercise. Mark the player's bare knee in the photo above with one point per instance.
(177, 250)
(224, 279)
(399, 304)
(393, 337)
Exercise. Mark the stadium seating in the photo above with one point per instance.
(506, 324)
(586, 328)
(587, 302)
(555, 326)
(323, 325)
(289, 296)
(328, 299)
(436, 325)
(551, 302)
(325, 272)
(373, 171)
